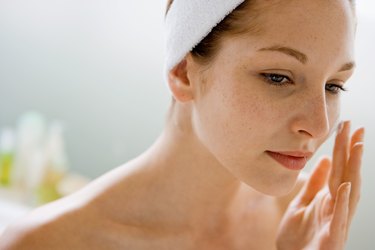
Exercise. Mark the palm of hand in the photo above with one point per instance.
(319, 217)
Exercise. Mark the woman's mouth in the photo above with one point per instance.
(295, 160)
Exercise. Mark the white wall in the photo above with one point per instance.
(97, 65)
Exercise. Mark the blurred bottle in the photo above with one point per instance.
(7, 143)
(34, 162)
(56, 165)
(29, 157)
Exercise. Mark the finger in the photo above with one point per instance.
(316, 182)
(352, 170)
(357, 136)
(339, 221)
(340, 157)
(354, 176)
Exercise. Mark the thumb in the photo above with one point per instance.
(316, 181)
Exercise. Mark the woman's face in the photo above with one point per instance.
(278, 91)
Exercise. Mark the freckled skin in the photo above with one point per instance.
(250, 116)
(207, 182)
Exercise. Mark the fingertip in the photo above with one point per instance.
(362, 129)
(348, 186)
(326, 158)
(325, 161)
(345, 189)
(339, 127)
(343, 130)
(360, 133)
(322, 168)
(358, 146)
(347, 124)
(357, 137)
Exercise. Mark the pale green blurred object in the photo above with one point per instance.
(6, 156)
(40, 158)
(33, 160)
(55, 165)
(47, 190)
(6, 160)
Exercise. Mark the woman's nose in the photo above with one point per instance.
(312, 117)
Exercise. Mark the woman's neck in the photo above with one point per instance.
(189, 186)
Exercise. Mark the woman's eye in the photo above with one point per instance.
(276, 79)
(334, 88)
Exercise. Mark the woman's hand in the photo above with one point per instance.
(319, 217)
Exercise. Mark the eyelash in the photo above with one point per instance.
(267, 76)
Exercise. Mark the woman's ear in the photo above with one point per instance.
(179, 82)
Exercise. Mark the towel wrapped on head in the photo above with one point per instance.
(188, 22)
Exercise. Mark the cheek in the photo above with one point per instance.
(237, 125)
(231, 122)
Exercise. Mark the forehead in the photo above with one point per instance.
(322, 29)
(327, 12)
(306, 17)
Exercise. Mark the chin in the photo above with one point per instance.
(277, 186)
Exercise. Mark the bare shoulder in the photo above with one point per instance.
(285, 200)
(55, 227)
(44, 226)
(80, 221)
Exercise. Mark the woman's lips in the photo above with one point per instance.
(291, 160)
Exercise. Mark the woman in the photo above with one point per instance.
(256, 90)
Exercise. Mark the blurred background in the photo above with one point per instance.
(87, 78)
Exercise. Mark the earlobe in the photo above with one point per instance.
(179, 82)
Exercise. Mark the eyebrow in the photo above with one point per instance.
(347, 66)
(301, 57)
(288, 51)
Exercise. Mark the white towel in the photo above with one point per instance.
(188, 22)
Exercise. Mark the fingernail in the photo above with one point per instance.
(362, 134)
(348, 123)
(339, 127)
(359, 144)
(345, 125)
(348, 188)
